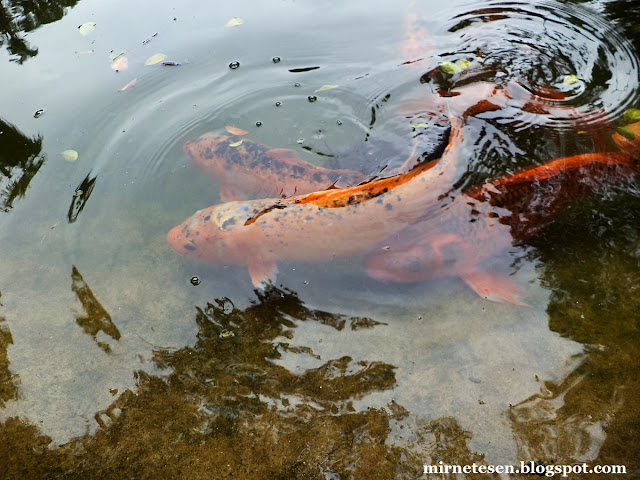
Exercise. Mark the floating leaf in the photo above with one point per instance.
(325, 87)
(570, 79)
(120, 63)
(632, 115)
(455, 67)
(235, 21)
(418, 125)
(157, 58)
(235, 130)
(70, 155)
(87, 28)
(626, 132)
(129, 85)
(236, 144)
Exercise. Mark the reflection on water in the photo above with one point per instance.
(97, 319)
(332, 374)
(8, 389)
(18, 18)
(20, 160)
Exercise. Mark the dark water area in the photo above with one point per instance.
(490, 319)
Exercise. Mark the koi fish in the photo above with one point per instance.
(485, 220)
(316, 227)
(246, 169)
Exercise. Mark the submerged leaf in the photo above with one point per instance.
(235, 130)
(418, 125)
(157, 58)
(325, 87)
(632, 115)
(120, 63)
(87, 28)
(234, 22)
(70, 155)
(626, 132)
(236, 144)
(129, 85)
(455, 67)
(570, 79)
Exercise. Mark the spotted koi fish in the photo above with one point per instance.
(486, 220)
(316, 227)
(246, 169)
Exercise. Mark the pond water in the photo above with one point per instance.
(120, 357)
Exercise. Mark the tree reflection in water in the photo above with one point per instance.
(20, 160)
(18, 17)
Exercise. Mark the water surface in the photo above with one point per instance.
(114, 363)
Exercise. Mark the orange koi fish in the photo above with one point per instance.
(316, 227)
(485, 220)
(246, 169)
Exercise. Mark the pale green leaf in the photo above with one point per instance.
(87, 28)
(70, 155)
(325, 87)
(235, 21)
(626, 132)
(418, 125)
(632, 115)
(570, 79)
(157, 58)
(236, 144)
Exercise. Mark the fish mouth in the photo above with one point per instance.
(179, 242)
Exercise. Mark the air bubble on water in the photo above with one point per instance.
(195, 280)
(312, 98)
(300, 141)
(276, 59)
(296, 84)
(38, 113)
(338, 122)
(258, 124)
(278, 104)
(234, 65)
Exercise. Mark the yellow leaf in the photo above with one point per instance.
(157, 58)
(236, 144)
(120, 63)
(418, 125)
(325, 87)
(235, 130)
(87, 28)
(129, 85)
(70, 155)
(235, 21)
(455, 67)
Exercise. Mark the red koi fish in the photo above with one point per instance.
(246, 169)
(317, 227)
(485, 220)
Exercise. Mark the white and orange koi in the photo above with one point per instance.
(319, 226)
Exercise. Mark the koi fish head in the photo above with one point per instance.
(204, 151)
(217, 234)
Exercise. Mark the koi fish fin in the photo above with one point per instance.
(263, 272)
(494, 287)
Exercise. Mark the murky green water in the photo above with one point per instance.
(113, 364)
